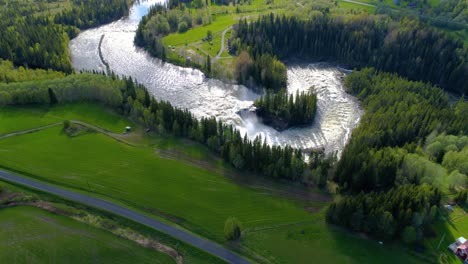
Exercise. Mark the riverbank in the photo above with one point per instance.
(337, 112)
(101, 57)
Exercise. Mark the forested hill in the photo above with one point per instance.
(35, 34)
(399, 116)
(407, 47)
(90, 13)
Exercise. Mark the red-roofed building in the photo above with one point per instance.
(460, 249)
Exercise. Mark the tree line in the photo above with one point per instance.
(35, 38)
(283, 111)
(386, 167)
(262, 71)
(91, 13)
(32, 41)
(9, 73)
(407, 47)
(162, 20)
(133, 100)
(404, 212)
(399, 114)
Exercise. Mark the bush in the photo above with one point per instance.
(409, 235)
(461, 198)
(66, 124)
(183, 27)
(232, 229)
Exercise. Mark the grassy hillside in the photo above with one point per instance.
(190, 196)
(16, 119)
(195, 198)
(323, 244)
(32, 235)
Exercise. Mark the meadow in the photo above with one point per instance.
(324, 244)
(192, 197)
(189, 196)
(446, 230)
(16, 119)
(354, 6)
(32, 235)
(190, 42)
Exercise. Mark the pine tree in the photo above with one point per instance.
(52, 97)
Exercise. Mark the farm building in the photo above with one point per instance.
(460, 249)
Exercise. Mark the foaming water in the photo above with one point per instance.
(337, 115)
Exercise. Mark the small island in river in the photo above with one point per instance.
(281, 111)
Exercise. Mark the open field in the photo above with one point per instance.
(322, 243)
(198, 33)
(447, 229)
(32, 235)
(104, 221)
(192, 197)
(16, 119)
(354, 6)
(190, 43)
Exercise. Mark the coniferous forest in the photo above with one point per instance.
(34, 37)
(91, 13)
(407, 47)
(282, 111)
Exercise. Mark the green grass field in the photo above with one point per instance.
(192, 197)
(22, 118)
(323, 244)
(447, 229)
(32, 235)
(195, 198)
(354, 6)
(197, 34)
(190, 42)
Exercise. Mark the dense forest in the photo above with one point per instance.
(32, 41)
(452, 15)
(399, 114)
(9, 73)
(400, 149)
(90, 13)
(407, 47)
(282, 111)
(404, 211)
(35, 37)
(264, 71)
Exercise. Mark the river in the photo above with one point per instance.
(337, 115)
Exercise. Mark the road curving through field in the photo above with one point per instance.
(182, 235)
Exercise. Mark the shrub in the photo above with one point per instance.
(66, 124)
(183, 27)
(232, 229)
(409, 235)
(461, 197)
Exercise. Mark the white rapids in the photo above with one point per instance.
(337, 115)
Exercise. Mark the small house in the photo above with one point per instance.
(460, 249)
(128, 129)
